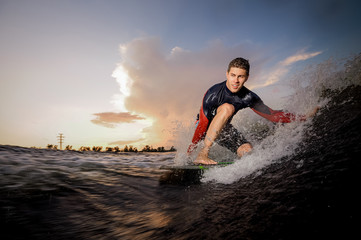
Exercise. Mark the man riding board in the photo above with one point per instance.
(221, 102)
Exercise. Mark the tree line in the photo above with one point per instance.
(146, 148)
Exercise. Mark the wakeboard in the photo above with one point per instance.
(194, 166)
(186, 174)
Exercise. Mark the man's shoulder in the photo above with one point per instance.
(244, 92)
(249, 96)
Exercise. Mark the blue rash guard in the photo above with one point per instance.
(220, 94)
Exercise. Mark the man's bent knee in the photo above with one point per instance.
(243, 149)
(226, 109)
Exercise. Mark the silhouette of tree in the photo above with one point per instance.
(126, 149)
(69, 148)
(146, 148)
(130, 148)
(84, 149)
(97, 148)
(160, 149)
(51, 146)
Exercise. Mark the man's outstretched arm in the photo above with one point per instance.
(275, 115)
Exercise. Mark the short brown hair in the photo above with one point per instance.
(239, 63)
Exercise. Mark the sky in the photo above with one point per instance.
(117, 72)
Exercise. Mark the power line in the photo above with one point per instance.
(61, 140)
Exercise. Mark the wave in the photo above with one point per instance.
(332, 85)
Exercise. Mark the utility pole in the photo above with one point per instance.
(61, 140)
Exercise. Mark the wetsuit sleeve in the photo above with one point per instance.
(274, 115)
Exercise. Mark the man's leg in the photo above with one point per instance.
(224, 113)
(233, 140)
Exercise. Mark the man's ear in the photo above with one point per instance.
(247, 78)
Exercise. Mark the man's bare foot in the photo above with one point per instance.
(204, 160)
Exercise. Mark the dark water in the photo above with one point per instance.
(310, 194)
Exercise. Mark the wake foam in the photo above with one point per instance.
(273, 148)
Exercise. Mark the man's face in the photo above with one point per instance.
(236, 77)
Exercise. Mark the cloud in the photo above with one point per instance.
(283, 67)
(300, 56)
(110, 119)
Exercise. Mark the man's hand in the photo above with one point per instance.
(313, 112)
